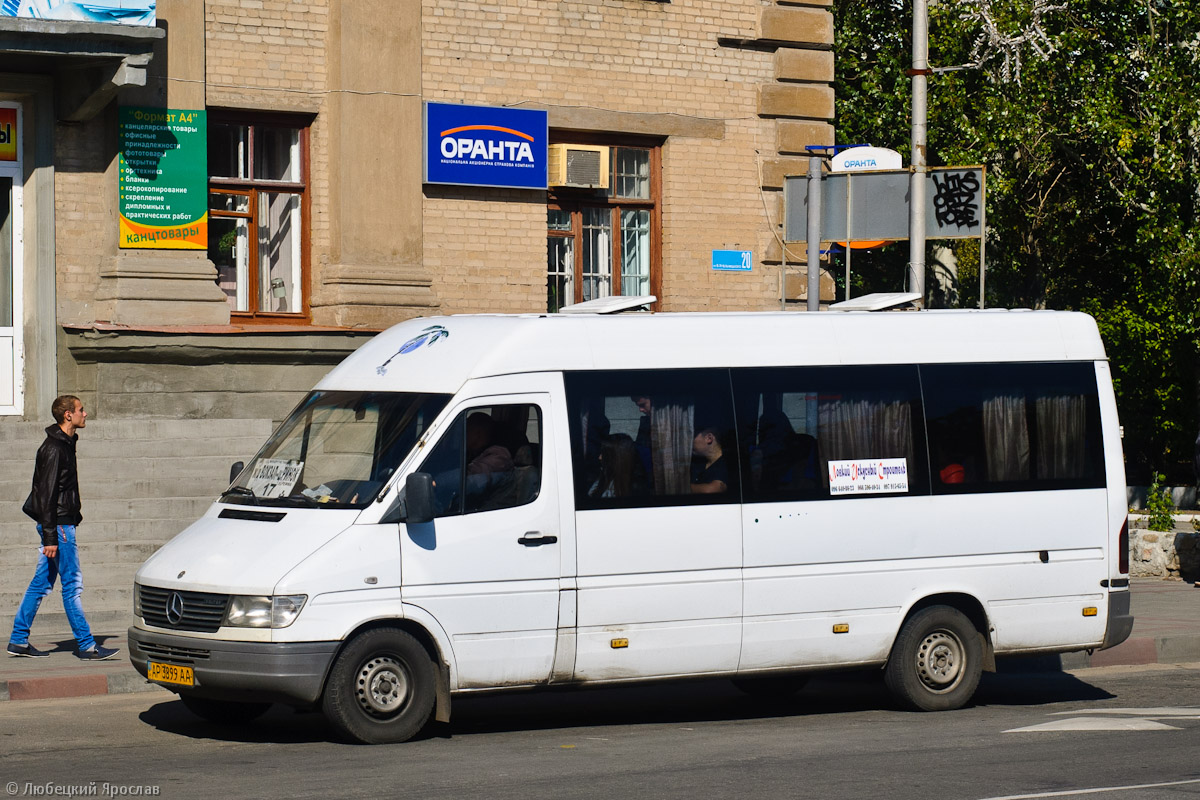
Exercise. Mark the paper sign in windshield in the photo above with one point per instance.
(868, 476)
(274, 477)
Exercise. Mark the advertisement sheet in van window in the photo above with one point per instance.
(274, 477)
(868, 476)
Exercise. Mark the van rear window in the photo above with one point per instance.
(1013, 427)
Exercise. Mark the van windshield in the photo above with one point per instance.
(336, 450)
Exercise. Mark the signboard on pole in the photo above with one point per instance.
(872, 206)
(163, 178)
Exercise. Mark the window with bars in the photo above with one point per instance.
(603, 243)
(257, 210)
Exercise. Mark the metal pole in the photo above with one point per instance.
(849, 227)
(920, 124)
(982, 237)
(814, 234)
(783, 255)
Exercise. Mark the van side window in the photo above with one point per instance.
(490, 458)
(811, 433)
(1013, 427)
(652, 438)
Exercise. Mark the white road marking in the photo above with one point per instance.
(1193, 713)
(1097, 790)
(1093, 724)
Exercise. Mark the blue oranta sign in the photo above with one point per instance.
(485, 146)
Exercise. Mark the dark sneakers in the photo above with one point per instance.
(25, 651)
(97, 653)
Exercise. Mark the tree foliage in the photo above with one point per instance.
(1093, 178)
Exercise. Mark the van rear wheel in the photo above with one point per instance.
(936, 661)
(381, 688)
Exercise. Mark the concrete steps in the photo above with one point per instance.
(142, 482)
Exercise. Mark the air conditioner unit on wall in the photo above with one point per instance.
(579, 166)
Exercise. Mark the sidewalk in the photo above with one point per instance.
(1166, 629)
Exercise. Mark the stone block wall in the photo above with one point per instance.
(1173, 554)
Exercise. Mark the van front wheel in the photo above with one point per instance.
(381, 688)
(936, 661)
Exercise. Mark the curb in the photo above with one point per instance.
(1138, 650)
(74, 686)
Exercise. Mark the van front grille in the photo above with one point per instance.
(181, 610)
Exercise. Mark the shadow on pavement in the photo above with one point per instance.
(655, 704)
(280, 725)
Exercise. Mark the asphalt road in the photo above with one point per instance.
(1111, 727)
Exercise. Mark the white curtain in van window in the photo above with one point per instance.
(1061, 421)
(1006, 437)
(863, 428)
(671, 436)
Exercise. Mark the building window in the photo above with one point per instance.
(257, 216)
(606, 242)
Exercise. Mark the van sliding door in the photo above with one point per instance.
(659, 538)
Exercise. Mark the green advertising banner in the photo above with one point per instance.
(163, 178)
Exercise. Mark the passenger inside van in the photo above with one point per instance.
(488, 462)
(710, 472)
(621, 472)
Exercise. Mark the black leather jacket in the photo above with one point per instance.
(54, 499)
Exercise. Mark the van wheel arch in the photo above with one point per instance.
(441, 710)
(968, 606)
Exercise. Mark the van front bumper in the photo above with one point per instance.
(287, 672)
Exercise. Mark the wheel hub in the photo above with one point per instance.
(382, 686)
(940, 661)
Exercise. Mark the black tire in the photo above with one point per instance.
(936, 661)
(381, 688)
(771, 686)
(224, 712)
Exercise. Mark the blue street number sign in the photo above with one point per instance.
(731, 260)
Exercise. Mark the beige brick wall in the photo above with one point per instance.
(484, 250)
(271, 55)
(628, 56)
(85, 213)
(487, 255)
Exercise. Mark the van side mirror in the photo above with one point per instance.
(418, 498)
(236, 470)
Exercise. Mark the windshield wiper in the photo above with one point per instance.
(303, 500)
(241, 491)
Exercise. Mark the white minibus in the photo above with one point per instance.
(476, 503)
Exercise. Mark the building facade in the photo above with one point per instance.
(321, 225)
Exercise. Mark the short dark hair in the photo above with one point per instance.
(63, 404)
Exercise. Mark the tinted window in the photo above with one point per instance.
(489, 458)
(1013, 427)
(652, 438)
(811, 433)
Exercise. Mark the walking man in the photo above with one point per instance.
(54, 504)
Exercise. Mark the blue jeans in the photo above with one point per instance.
(66, 566)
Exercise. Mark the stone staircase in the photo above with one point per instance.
(142, 482)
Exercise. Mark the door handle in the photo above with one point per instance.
(536, 539)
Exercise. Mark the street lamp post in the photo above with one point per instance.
(920, 125)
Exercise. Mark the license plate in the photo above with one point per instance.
(170, 673)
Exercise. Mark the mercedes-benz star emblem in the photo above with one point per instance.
(174, 608)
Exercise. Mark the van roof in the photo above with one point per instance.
(439, 354)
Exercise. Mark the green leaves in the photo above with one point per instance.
(1093, 179)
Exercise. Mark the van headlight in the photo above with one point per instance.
(261, 611)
